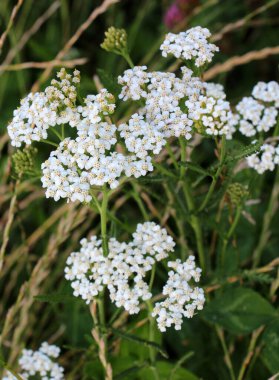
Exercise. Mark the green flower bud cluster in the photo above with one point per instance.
(23, 161)
(237, 193)
(115, 41)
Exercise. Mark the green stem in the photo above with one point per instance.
(56, 133)
(139, 202)
(170, 152)
(268, 216)
(194, 220)
(250, 353)
(128, 59)
(63, 131)
(229, 234)
(228, 362)
(216, 176)
(104, 222)
(151, 337)
(49, 143)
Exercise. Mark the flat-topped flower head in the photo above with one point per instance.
(259, 113)
(39, 364)
(190, 45)
(77, 165)
(123, 271)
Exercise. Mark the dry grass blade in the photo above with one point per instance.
(42, 65)
(30, 32)
(231, 63)
(17, 320)
(97, 11)
(10, 23)
(242, 22)
(35, 236)
(8, 226)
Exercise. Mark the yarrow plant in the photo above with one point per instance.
(97, 155)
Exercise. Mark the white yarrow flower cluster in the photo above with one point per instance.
(181, 298)
(190, 45)
(161, 117)
(212, 113)
(31, 120)
(255, 117)
(133, 83)
(96, 106)
(163, 114)
(42, 110)
(267, 159)
(39, 363)
(140, 137)
(77, 165)
(267, 92)
(123, 271)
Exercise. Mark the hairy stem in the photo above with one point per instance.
(229, 234)
(194, 220)
(216, 176)
(104, 222)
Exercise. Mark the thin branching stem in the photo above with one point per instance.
(194, 220)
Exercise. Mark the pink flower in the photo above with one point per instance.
(173, 16)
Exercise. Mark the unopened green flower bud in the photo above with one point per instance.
(237, 193)
(115, 41)
(23, 161)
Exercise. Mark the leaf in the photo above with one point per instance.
(239, 310)
(129, 371)
(164, 369)
(245, 152)
(109, 82)
(136, 339)
(54, 298)
(269, 354)
(197, 168)
(153, 179)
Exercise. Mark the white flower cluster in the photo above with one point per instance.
(173, 106)
(31, 120)
(39, 363)
(41, 110)
(181, 298)
(123, 270)
(212, 112)
(92, 158)
(140, 137)
(267, 92)
(255, 117)
(79, 164)
(96, 106)
(267, 159)
(190, 45)
(133, 83)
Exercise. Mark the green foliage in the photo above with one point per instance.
(239, 218)
(239, 310)
(270, 344)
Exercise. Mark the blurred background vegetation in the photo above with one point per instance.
(43, 232)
